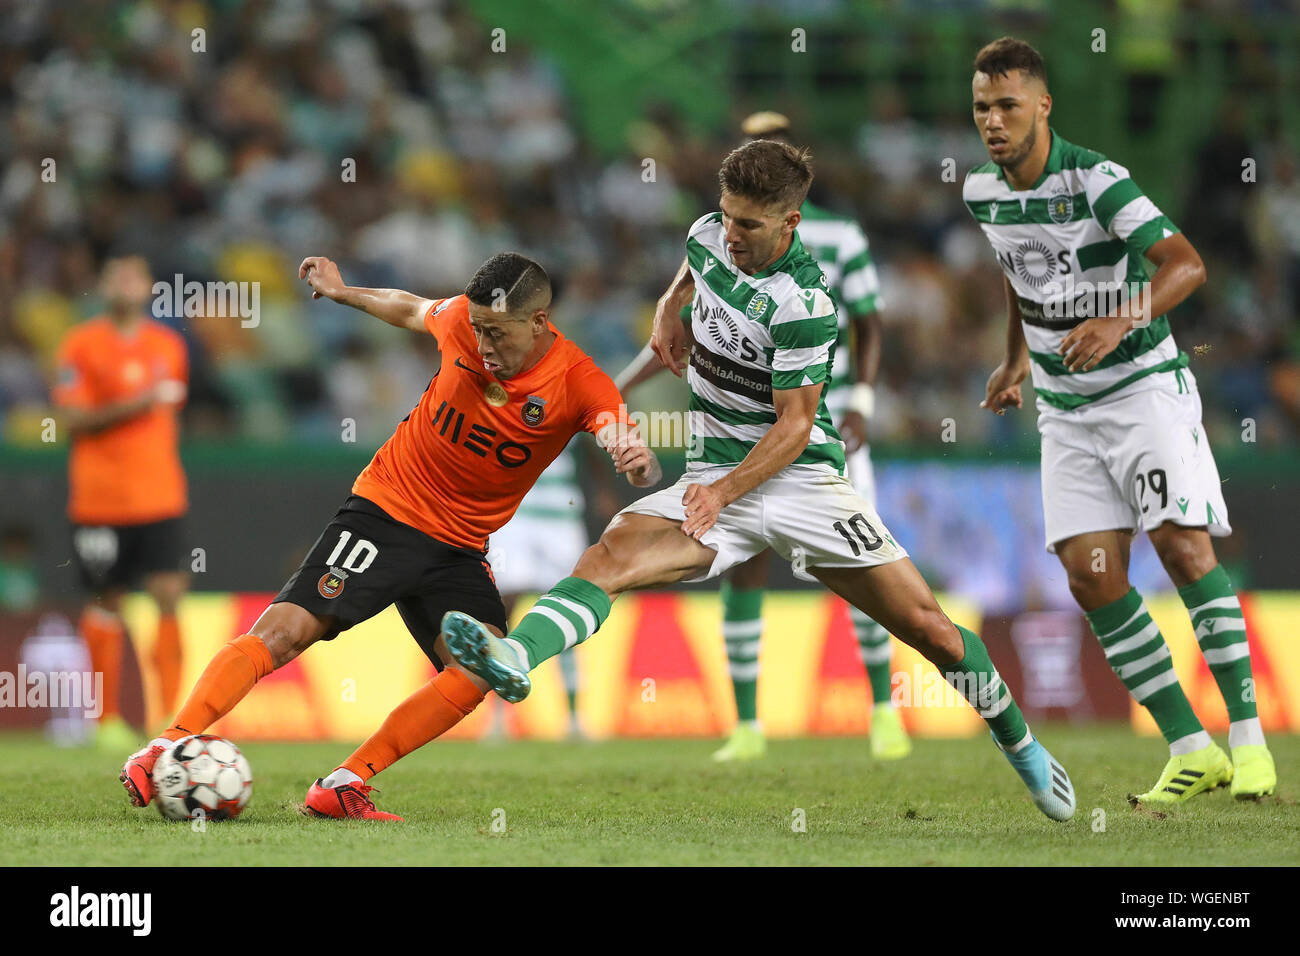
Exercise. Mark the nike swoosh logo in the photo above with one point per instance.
(460, 364)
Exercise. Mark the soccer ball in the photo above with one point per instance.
(202, 775)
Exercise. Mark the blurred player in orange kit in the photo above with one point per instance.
(509, 395)
(121, 380)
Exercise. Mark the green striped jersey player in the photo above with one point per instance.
(766, 472)
(755, 336)
(1073, 247)
(1123, 447)
(840, 248)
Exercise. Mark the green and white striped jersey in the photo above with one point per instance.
(557, 495)
(840, 248)
(753, 334)
(1072, 247)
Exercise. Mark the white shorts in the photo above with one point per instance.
(1132, 463)
(529, 555)
(810, 516)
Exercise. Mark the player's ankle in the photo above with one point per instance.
(342, 776)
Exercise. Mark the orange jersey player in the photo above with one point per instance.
(509, 394)
(121, 379)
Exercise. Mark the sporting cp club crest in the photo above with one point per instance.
(534, 410)
(758, 306)
(1061, 208)
(331, 583)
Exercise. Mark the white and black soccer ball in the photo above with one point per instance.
(203, 774)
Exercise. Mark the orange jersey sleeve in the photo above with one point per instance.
(598, 396)
(457, 467)
(438, 320)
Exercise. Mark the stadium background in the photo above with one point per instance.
(489, 125)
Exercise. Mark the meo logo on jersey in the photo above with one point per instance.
(1060, 207)
(758, 306)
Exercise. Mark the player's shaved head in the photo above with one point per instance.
(768, 172)
(509, 282)
(1006, 54)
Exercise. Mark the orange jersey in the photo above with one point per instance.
(129, 473)
(460, 463)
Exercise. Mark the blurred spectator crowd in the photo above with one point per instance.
(389, 136)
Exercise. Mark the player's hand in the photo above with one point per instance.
(322, 275)
(633, 457)
(853, 429)
(669, 339)
(168, 391)
(1003, 388)
(702, 504)
(1090, 342)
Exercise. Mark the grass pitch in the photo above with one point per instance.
(659, 802)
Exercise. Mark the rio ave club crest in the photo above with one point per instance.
(331, 583)
(534, 411)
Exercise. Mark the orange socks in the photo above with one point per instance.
(167, 660)
(229, 676)
(105, 636)
(428, 713)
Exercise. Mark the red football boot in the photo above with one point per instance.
(346, 800)
(137, 774)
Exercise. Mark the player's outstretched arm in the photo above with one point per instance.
(796, 412)
(647, 364)
(1003, 389)
(402, 309)
(631, 455)
(669, 337)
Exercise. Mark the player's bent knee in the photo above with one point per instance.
(930, 631)
(1186, 553)
(287, 630)
(606, 563)
(1092, 591)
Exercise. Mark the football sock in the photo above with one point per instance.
(428, 713)
(229, 676)
(876, 652)
(569, 671)
(1137, 653)
(167, 660)
(1221, 631)
(105, 637)
(976, 679)
(340, 777)
(742, 629)
(564, 616)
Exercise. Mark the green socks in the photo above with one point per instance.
(742, 629)
(876, 652)
(976, 679)
(565, 616)
(1221, 632)
(1137, 653)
